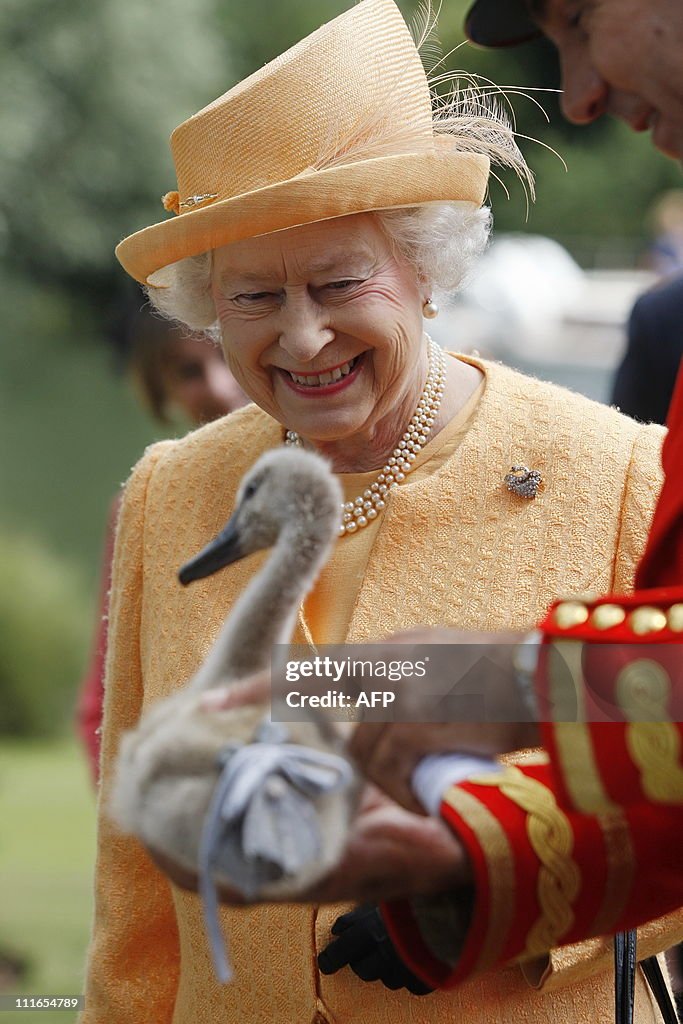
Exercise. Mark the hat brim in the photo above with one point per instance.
(376, 184)
(499, 23)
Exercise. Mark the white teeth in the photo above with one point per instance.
(312, 380)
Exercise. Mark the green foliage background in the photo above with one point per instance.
(91, 90)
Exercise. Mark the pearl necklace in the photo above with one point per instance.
(362, 510)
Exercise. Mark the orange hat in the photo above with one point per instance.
(339, 124)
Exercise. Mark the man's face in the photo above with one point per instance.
(620, 57)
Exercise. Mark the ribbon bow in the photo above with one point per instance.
(261, 824)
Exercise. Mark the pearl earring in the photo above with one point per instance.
(430, 309)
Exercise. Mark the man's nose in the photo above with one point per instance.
(584, 92)
(304, 327)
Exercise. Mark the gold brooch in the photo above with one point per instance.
(523, 481)
(193, 201)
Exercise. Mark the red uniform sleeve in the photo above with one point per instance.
(545, 876)
(610, 677)
(610, 686)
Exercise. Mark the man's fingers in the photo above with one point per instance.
(350, 946)
(215, 700)
(384, 755)
(364, 740)
(369, 968)
(343, 922)
(254, 690)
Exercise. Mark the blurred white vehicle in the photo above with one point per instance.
(530, 305)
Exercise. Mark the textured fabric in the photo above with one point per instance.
(454, 548)
(329, 606)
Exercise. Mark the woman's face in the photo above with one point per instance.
(322, 327)
(196, 379)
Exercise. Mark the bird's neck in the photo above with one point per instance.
(264, 614)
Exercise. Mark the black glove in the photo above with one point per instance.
(363, 943)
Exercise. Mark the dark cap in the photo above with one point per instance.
(500, 23)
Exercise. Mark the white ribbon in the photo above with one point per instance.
(256, 783)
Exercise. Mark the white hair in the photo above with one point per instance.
(440, 240)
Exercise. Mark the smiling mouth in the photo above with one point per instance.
(319, 380)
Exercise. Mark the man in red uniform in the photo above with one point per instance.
(609, 804)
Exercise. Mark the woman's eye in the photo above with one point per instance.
(190, 371)
(575, 19)
(339, 286)
(247, 297)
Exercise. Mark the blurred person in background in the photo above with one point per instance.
(177, 374)
(180, 377)
(645, 380)
(665, 254)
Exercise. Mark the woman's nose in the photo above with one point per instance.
(584, 91)
(304, 328)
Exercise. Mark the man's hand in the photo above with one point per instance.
(361, 942)
(391, 853)
(388, 753)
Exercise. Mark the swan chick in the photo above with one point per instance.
(291, 831)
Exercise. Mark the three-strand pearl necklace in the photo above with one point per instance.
(361, 511)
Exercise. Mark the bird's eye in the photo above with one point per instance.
(250, 490)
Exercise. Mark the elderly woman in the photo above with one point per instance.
(315, 250)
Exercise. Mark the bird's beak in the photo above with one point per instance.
(222, 550)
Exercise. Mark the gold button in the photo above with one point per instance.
(675, 618)
(647, 620)
(570, 613)
(605, 616)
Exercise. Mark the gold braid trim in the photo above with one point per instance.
(621, 866)
(573, 741)
(642, 691)
(656, 749)
(552, 840)
(500, 868)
